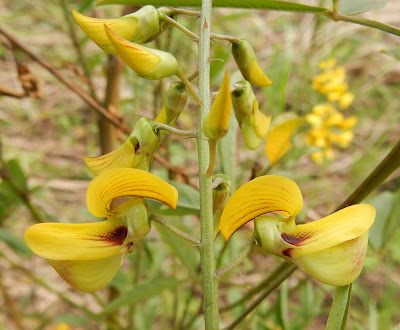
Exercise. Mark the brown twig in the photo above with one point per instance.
(11, 93)
(83, 95)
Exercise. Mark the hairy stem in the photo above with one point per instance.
(213, 151)
(207, 259)
(170, 129)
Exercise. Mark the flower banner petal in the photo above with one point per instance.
(339, 265)
(121, 182)
(265, 194)
(339, 227)
(86, 241)
(120, 157)
(87, 275)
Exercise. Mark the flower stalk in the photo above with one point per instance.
(207, 259)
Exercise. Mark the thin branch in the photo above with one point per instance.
(9, 92)
(84, 96)
(186, 12)
(177, 231)
(190, 88)
(213, 151)
(224, 37)
(245, 252)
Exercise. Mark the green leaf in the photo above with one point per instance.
(354, 7)
(255, 4)
(14, 242)
(70, 319)
(85, 5)
(227, 151)
(340, 308)
(145, 291)
(16, 174)
(383, 204)
(179, 247)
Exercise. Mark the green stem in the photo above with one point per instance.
(189, 86)
(186, 12)
(340, 308)
(245, 252)
(177, 231)
(207, 259)
(180, 27)
(274, 280)
(213, 150)
(170, 129)
(336, 6)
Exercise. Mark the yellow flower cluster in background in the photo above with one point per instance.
(329, 128)
(332, 83)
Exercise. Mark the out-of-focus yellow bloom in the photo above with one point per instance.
(246, 61)
(141, 26)
(329, 128)
(278, 140)
(332, 83)
(331, 249)
(147, 62)
(216, 123)
(88, 255)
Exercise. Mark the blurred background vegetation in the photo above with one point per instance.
(45, 128)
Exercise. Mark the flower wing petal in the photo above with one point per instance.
(339, 227)
(86, 241)
(339, 265)
(87, 275)
(121, 182)
(265, 194)
(120, 157)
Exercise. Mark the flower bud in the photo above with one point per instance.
(175, 102)
(253, 123)
(148, 63)
(216, 123)
(146, 141)
(248, 65)
(221, 188)
(141, 26)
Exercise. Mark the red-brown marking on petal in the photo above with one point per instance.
(137, 148)
(115, 237)
(294, 240)
(287, 252)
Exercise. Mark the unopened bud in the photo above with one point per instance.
(146, 141)
(253, 123)
(216, 123)
(248, 65)
(148, 63)
(175, 102)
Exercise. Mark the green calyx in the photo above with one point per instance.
(268, 231)
(175, 102)
(146, 141)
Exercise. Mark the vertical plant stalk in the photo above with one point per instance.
(207, 259)
(107, 131)
(340, 308)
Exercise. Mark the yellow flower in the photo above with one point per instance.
(328, 64)
(148, 63)
(141, 26)
(88, 255)
(345, 100)
(331, 249)
(216, 123)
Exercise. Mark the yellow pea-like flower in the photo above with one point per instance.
(141, 26)
(246, 61)
(331, 249)
(147, 62)
(88, 255)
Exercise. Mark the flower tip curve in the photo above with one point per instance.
(265, 194)
(121, 182)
